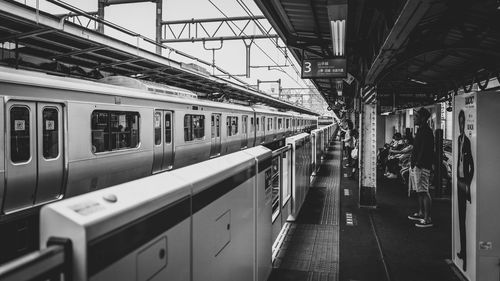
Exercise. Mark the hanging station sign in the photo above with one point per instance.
(324, 68)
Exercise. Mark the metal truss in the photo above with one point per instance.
(81, 20)
(214, 29)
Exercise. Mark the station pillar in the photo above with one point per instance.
(368, 156)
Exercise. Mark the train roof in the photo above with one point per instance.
(39, 79)
(152, 87)
(127, 88)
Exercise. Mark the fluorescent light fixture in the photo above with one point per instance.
(418, 81)
(385, 113)
(338, 36)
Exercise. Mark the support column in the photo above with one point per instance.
(368, 156)
(100, 14)
(159, 8)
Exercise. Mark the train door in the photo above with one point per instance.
(35, 154)
(216, 137)
(163, 145)
(244, 131)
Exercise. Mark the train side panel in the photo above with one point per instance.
(188, 151)
(231, 140)
(89, 169)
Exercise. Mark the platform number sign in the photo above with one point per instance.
(19, 125)
(324, 68)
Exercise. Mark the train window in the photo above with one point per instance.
(269, 124)
(275, 123)
(157, 126)
(194, 127)
(168, 127)
(114, 130)
(293, 122)
(251, 124)
(280, 123)
(257, 124)
(232, 125)
(20, 150)
(287, 123)
(263, 123)
(50, 132)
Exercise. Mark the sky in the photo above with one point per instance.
(140, 18)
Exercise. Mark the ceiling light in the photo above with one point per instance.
(337, 14)
(338, 37)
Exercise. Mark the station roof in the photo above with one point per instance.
(412, 52)
(36, 40)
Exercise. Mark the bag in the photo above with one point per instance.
(354, 153)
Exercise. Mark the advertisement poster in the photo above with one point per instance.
(464, 201)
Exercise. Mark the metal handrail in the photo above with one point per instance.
(53, 262)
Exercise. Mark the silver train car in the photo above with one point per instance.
(64, 136)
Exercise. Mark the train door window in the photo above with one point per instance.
(217, 124)
(50, 132)
(168, 127)
(257, 124)
(157, 127)
(280, 123)
(212, 126)
(287, 123)
(232, 125)
(251, 124)
(114, 130)
(269, 124)
(20, 150)
(293, 122)
(194, 127)
(275, 123)
(244, 124)
(263, 123)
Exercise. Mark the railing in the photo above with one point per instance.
(52, 263)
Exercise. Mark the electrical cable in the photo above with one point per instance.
(267, 55)
(262, 29)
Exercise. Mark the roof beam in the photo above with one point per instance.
(317, 28)
(410, 16)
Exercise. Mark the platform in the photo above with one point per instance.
(310, 248)
(334, 239)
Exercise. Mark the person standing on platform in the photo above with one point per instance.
(354, 153)
(421, 164)
(465, 172)
(348, 142)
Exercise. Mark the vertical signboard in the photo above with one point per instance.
(476, 165)
(368, 156)
(464, 199)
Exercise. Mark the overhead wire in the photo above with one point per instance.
(263, 30)
(267, 55)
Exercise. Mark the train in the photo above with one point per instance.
(67, 136)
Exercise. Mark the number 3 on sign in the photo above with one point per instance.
(308, 67)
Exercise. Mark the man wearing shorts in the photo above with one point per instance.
(421, 164)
